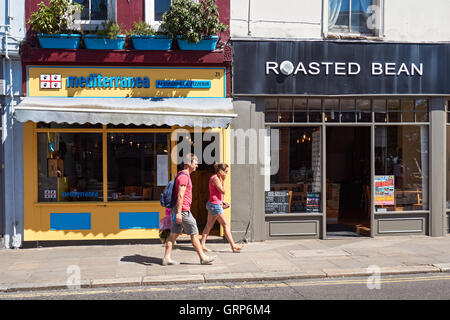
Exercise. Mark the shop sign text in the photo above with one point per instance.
(343, 68)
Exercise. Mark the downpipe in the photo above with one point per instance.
(7, 26)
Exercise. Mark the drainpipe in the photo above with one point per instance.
(249, 31)
(11, 109)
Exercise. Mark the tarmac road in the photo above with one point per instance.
(400, 287)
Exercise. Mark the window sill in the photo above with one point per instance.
(351, 36)
(286, 215)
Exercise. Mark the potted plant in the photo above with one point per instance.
(53, 24)
(108, 37)
(194, 25)
(144, 37)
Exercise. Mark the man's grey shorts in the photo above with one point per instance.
(188, 223)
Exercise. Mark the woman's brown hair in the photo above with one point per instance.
(220, 166)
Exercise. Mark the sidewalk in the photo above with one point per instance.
(135, 265)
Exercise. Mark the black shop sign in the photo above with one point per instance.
(339, 68)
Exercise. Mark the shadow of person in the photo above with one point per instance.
(146, 261)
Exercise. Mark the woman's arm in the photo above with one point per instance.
(219, 185)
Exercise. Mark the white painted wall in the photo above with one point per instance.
(276, 19)
(404, 20)
(417, 20)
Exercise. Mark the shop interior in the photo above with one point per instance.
(348, 181)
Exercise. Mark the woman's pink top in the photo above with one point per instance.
(215, 196)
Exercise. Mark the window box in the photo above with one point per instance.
(59, 41)
(151, 42)
(96, 42)
(208, 43)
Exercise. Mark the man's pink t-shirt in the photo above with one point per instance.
(184, 179)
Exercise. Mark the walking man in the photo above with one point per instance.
(182, 218)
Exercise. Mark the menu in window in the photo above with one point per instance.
(277, 202)
(384, 190)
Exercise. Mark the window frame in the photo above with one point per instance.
(378, 33)
(89, 25)
(104, 131)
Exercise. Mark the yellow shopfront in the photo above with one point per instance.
(98, 156)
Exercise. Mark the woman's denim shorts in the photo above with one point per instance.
(214, 209)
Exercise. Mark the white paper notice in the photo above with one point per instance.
(162, 169)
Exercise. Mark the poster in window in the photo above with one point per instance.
(313, 202)
(162, 168)
(384, 190)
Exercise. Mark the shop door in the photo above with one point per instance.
(348, 181)
(207, 153)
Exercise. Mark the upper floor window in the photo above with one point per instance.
(154, 10)
(95, 12)
(354, 16)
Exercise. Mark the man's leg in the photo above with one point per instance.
(204, 259)
(169, 246)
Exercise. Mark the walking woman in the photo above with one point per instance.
(215, 206)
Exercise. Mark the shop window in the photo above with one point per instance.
(363, 110)
(70, 167)
(296, 186)
(315, 110)
(394, 111)
(285, 105)
(353, 16)
(138, 166)
(300, 110)
(331, 107)
(94, 13)
(348, 113)
(401, 168)
(379, 108)
(154, 10)
(271, 109)
(421, 110)
(345, 110)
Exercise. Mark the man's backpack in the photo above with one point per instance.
(167, 197)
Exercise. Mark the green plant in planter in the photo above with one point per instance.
(141, 28)
(192, 20)
(56, 18)
(210, 18)
(109, 29)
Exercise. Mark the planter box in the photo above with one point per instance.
(59, 41)
(155, 42)
(206, 44)
(95, 42)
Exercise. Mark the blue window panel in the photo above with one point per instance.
(161, 6)
(139, 220)
(70, 221)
